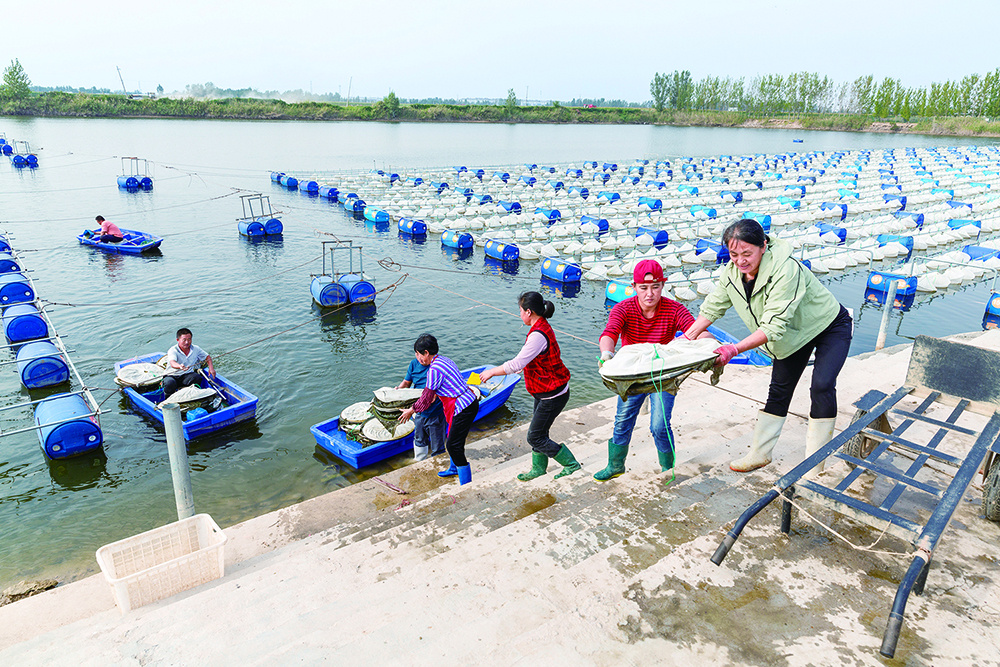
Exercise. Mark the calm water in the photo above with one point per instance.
(55, 515)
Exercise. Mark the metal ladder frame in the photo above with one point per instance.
(936, 373)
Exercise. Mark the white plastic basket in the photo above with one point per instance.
(163, 561)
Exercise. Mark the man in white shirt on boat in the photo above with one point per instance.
(183, 362)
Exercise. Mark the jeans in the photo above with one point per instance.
(659, 420)
(831, 345)
(428, 429)
(460, 425)
(545, 412)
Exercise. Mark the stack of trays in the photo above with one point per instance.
(646, 368)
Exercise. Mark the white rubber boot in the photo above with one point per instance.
(765, 435)
(420, 453)
(819, 433)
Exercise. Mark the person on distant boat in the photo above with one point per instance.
(429, 425)
(446, 384)
(547, 379)
(183, 361)
(646, 317)
(109, 231)
(791, 314)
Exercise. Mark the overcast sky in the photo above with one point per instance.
(453, 48)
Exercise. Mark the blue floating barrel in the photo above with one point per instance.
(481, 199)
(577, 190)
(128, 182)
(906, 241)
(15, 288)
(415, 181)
(311, 187)
(762, 218)
(720, 251)
(289, 182)
(824, 227)
(465, 192)
(660, 236)
(975, 253)
(560, 271)
(650, 204)
(550, 214)
(530, 166)
(796, 190)
(510, 206)
(618, 292)
(550, 170)
(659, 185)
(19, 161)
(4, 244)
(957, 223)
(637, 169)
(358, 289)
(898, 189)
(502, 175)
(276, 176)
(413, 227)
(602, 223)
(687, 189)
(831, 206)
(23, 322)
(250, 227)
(959, 204)
(609, 166)
(330, 192)
(789, 202)
(898, 199)
(41, 365)
(602, 176)
(991, 318)
(848, 194)
(731, 196)
(943, 191)
(528, 180)
(273, 227)
(8, 264)
(704, 212)
(358, 206)
(877, 288)
(478, 173)
(376, 214)
(145, 183)
(633, 180)
(574, 173)
(555, 185)
(439, 186)
(460, 170)
(6, 149)
(502, 251)
(455, 239)
(610, 197)
(328, 293)
(590, 164)
(66, 427)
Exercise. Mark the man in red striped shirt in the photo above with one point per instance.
(644, 318)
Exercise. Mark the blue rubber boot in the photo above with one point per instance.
(464, 475)
(450, 472)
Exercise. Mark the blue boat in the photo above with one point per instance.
(240, 405)
(134, 242)
(331, 439)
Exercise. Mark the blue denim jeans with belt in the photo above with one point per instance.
(659, 419)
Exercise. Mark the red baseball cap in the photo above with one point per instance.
(647, 266)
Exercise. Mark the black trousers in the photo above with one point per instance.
(545, 412)
(831, 346)
(459, 431)
(171, 383)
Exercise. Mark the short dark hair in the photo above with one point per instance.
(426, 344)
(534, 302)
(747, 230)
(182, 331)
(99, 218)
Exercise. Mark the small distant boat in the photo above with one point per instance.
(330, 438)
(133, 243)
(796, 141)
(237, 404)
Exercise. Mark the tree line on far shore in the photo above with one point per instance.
(967, 107)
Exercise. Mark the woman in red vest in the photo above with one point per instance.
(547, 379)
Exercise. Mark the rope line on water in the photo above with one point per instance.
(126, 215)
(193, 295)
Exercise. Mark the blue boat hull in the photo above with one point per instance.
(135, 243)
(241, 405)
(331, 439)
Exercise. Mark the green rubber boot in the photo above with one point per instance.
(616, 462)
(666, 460)
(566, 459)
(539, 462)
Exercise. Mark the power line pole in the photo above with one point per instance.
(121, 79)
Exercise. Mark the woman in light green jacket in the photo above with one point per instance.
(791, 315)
